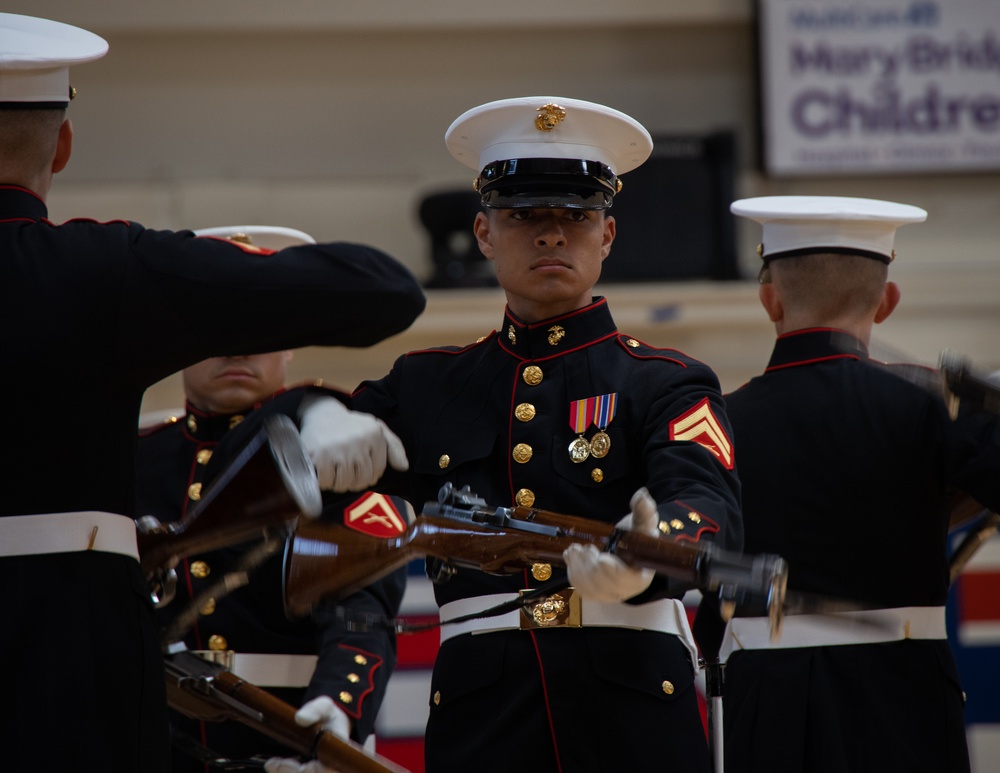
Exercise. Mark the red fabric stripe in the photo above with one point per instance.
(979, 597)
(418, 650)
(407, 752)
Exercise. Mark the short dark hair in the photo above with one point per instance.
(829, 283)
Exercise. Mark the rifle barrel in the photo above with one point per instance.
(206, 691)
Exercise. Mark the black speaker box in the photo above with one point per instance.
(672, 213)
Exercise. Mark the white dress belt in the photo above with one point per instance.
(663, 615)
(869, 626)
(26, 535)
(264, 669)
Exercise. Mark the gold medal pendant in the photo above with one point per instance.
(579, 450)
(600, 444)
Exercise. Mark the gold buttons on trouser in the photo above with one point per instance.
(217, 643)
(541, 572)
(525, 412)
(194, 492)
(597, 474)
(443, 461)
(204, 456)
(200, 569)
(525, 497)
(522, 453)
(208, 608)
(532, 375)
(668, 687)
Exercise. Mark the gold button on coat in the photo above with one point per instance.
(437, 697)
(208, 608)
(204, 456)
(597, 474)
(525, 412)
(346, 697)
(353, 678)
(525, 497)
(443, 461)
(200, 569)
(668, 687)
(361, 660)
(217, 643)
(194, 492)
(541, 572)
(522, 453)
(532, 375)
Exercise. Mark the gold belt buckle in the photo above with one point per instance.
(560, 610)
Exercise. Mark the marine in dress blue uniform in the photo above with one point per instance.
(353, 666)
(92, 314)
(569, 414)
(849, 472)
(248, 627)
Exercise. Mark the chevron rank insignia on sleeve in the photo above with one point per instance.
(700, 426)
(375, 515)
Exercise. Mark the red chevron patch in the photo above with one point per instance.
(374, 515)
(700, 426)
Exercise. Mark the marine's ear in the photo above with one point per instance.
(64, 147)
(890, 299)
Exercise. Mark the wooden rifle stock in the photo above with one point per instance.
(206, 691)
(269, 483)
(331, 560)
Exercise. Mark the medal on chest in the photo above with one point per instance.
(599, 410)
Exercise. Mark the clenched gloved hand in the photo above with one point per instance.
(604, 577)
(349, 449)
(321, 709)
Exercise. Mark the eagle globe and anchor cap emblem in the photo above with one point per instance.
(549, 116)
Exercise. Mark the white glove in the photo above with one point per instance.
(604, 577)
(289, 765)
(348, 448)
(321, 709)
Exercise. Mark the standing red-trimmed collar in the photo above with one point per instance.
(19, 203)
(817, 344)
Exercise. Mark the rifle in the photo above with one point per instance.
(207, 691)
(331, 560)
(269, 483)
(984, 529)
(962, 382)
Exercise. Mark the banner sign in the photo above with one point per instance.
(879, 86)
